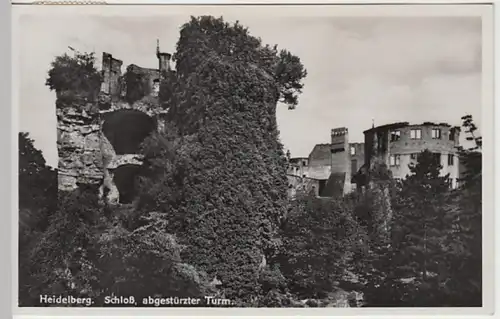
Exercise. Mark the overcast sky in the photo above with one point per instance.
(360, 69)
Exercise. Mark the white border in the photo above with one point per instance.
(312, 10)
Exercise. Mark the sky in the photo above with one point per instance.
(360, 69)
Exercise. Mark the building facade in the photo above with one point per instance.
(398, 145)
(329, 168)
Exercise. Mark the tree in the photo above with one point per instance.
(205, 35)
(37, 181)
(421, 215)
(136, 87)
(146, 262)
(464, 241)
(74, 78)
(37, 203)
(407, 270)
(221, 180)
(320, 238)
(63, 259)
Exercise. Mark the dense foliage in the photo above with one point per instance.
(433, 257)
(37, 203)
(136, 87)
(221, 178)
(205, 36)
(320, 239)
(74, 78)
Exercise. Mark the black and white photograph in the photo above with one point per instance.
(254, 156)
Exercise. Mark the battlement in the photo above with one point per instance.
(340, 131)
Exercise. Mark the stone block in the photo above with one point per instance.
(92, 142)
(66, 182)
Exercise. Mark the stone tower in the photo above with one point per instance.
(99, 141)
(340, 157)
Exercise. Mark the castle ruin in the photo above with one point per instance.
(338, 167)
(98, 141)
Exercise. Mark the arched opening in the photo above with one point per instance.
(125, 177)
(126, 129)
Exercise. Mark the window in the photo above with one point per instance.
(394, 160)
(414, 156)
(416, 134)
(354, 166)
(304, 163)
(437, 157)
(450, 159)
(451, 135)
(353, 150)
(436, 133)
(395, 136)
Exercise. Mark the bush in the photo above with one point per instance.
(76, 74)
(146, 262)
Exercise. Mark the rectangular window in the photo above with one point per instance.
(353, 150)
(304, 163)
(450, 159)
(416, 134)
(437, 158)
(394, 160)
(414, 156)
(451, 136)
(436, 133)
(395, 136)
(354, 166)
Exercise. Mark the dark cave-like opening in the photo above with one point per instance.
(126, 129)
(125, 178)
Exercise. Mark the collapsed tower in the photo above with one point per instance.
(99, 140)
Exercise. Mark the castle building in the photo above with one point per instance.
(329, 169)
(339, 167)
(99, 141)
(398, 145)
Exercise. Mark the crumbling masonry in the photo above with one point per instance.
(98, 141)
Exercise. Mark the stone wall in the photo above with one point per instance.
(298, 184)
(387, 142)
(341, 157)
(357, 156)
(320, 162)
(112, 75)
(164, 61)
(330, 158)
(90, 135)
(298, 166)
(78, 143)
(149, 76)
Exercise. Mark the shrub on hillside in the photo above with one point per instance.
(62, 261)
(320, 238)
(146, 262)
